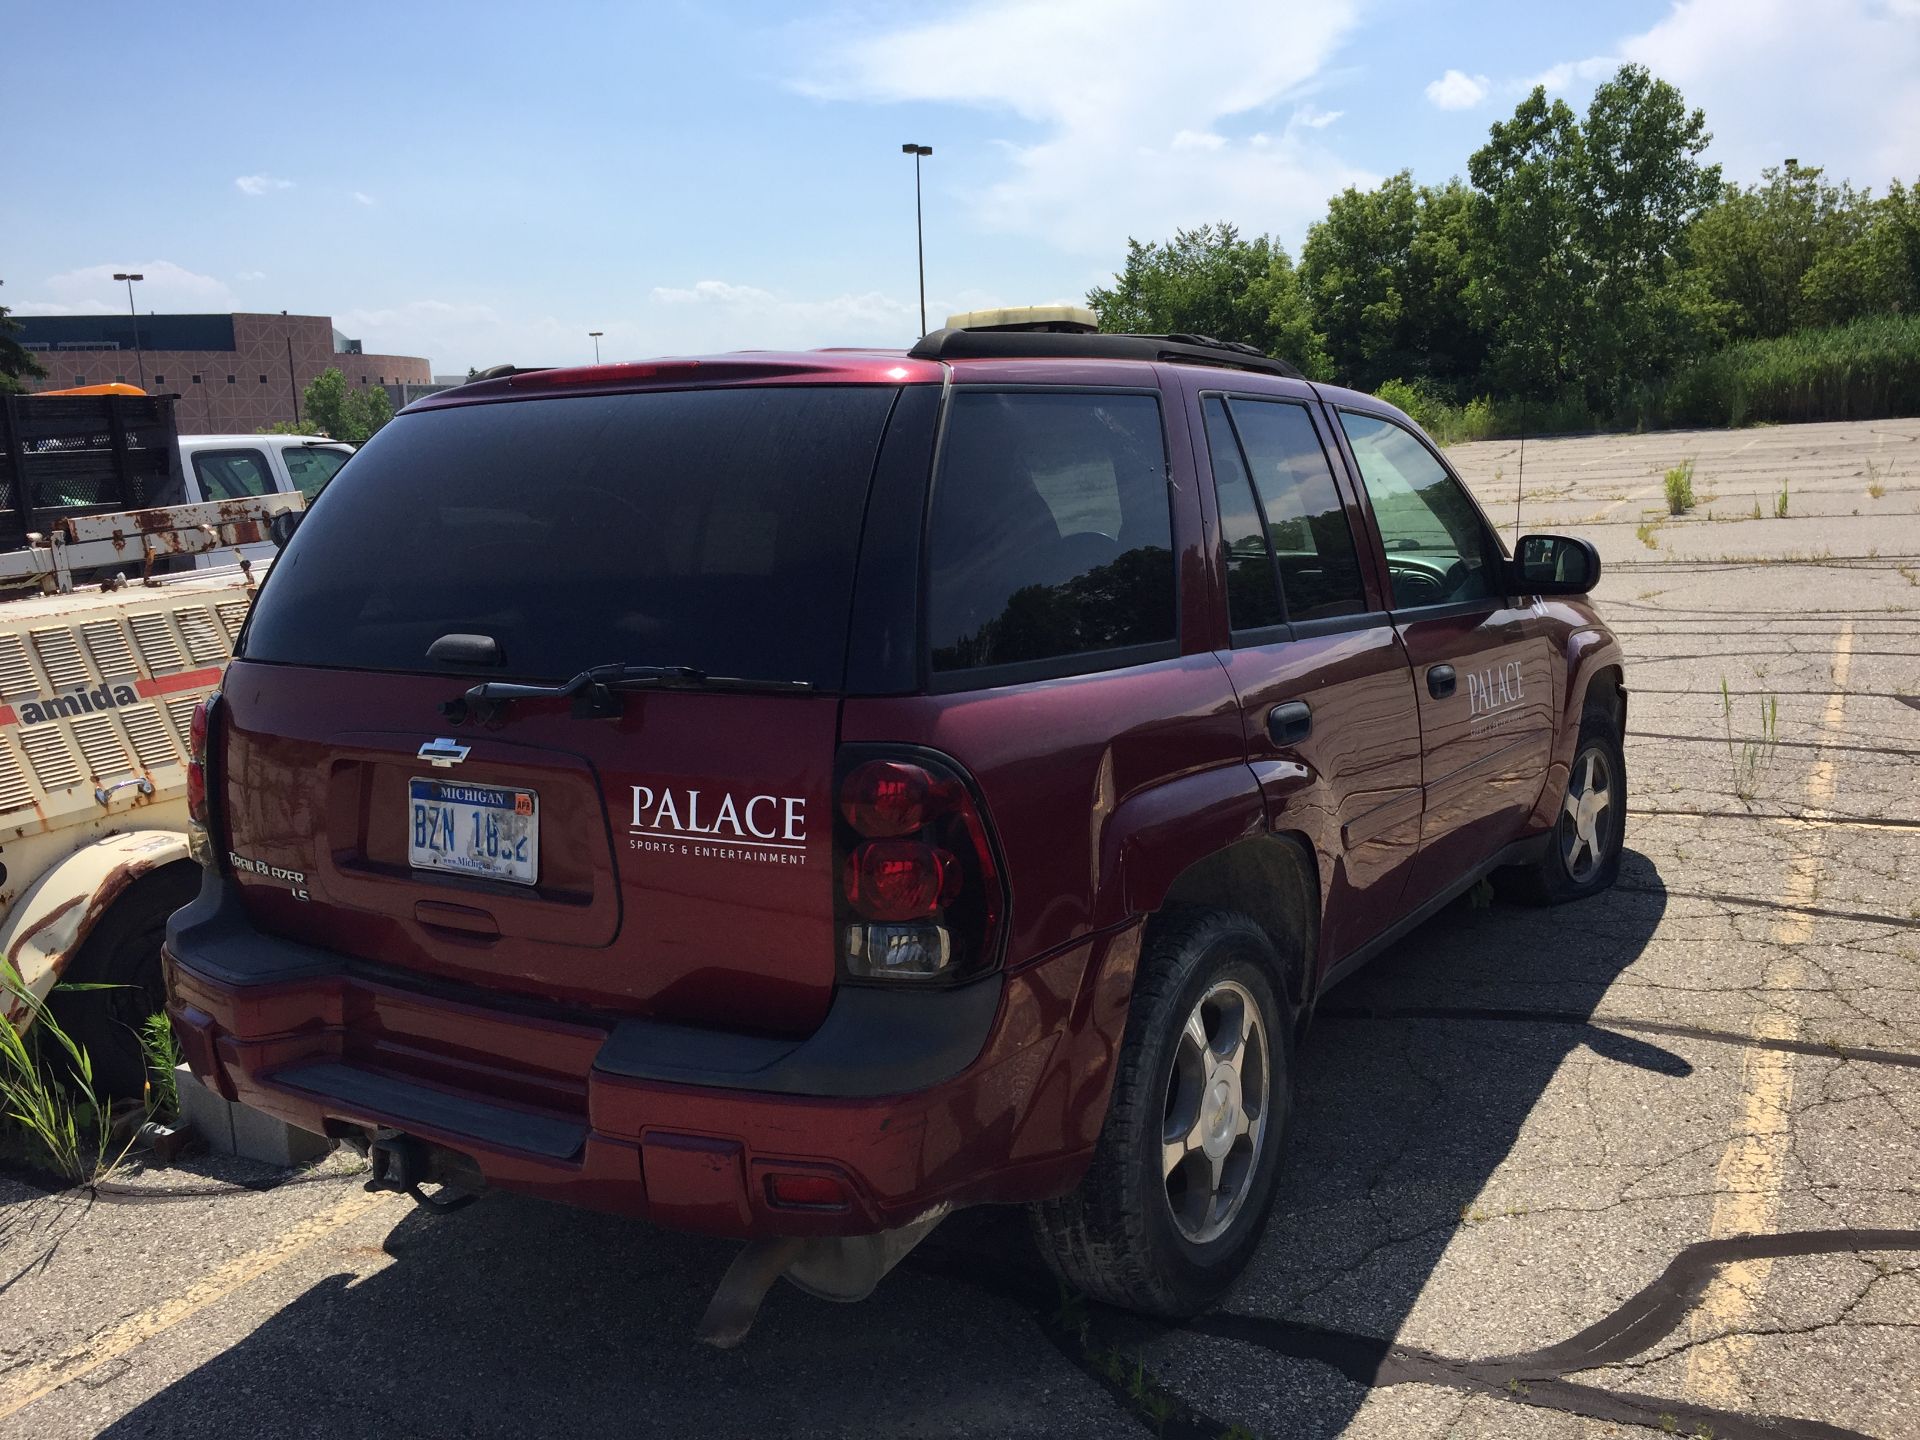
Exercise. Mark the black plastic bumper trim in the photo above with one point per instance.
(398, 1102)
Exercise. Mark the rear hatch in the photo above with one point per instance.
(663, 849)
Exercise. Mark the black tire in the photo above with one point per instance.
(123, 951)
(1565, 871)
(1116, 1237)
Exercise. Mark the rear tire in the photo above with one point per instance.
(1582, 857)
(1182, 1181)
(123, 951)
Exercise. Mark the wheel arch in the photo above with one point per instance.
(53, 919)
(1272, 880)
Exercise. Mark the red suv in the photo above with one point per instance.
(790, 796)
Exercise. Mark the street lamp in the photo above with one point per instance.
(142, 359)
(919, 236)
(594, 335)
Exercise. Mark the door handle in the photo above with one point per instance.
(1440, 681)
(1290, 723)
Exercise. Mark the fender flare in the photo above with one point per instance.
(56, 914)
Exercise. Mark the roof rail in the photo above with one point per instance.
(955, 344)
(498, 372)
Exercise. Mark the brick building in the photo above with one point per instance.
(233, 373)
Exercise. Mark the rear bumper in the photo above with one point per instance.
(993, 1092)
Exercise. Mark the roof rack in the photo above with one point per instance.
(955, 344)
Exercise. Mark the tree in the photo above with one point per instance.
(16, 364)
(1386, 277)
(331, 408)
(1640, 188)
(1210, 282)
(1795, 251)
(1530, 279)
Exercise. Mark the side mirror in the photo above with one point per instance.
(1555, 565)
(281, 527)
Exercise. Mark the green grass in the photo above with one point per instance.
(163, 1058)
(1680, 488)
(49, 1100)
(1780, 502)
(1868, 370)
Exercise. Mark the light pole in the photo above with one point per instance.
(137, 355)
(919, 235)
(594, 335)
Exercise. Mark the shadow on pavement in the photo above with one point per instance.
(517, 1318)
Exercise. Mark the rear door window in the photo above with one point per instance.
(232, 474)
(1051, 540)
(1301, 510)
(711, 528)
(1253, 590)
(312, 466)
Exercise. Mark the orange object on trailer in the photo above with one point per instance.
(111, 388)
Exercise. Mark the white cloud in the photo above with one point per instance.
(251, 275)
(1457, 90)
(92, 290)
(1569, 72)
(1133, 140)
(260, 184)
(1313, 117)
(719, 315)
(363, 197)
(1832, 86)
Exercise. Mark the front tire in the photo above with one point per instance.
(1178, 1193)
(1582, 857)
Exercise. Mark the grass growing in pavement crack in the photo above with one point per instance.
(1680, 488)
(1751, 757)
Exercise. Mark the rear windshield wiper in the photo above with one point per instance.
(594, 690)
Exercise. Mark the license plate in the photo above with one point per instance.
(488, 831)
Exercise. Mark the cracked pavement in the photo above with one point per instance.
(1645, 1164)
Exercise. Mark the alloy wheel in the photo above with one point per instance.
(1216, 1111)
(1587, 821)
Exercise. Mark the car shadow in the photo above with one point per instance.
(514, 1317)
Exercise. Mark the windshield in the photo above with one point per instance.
(710, 528)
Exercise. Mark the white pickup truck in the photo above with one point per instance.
(232, 467)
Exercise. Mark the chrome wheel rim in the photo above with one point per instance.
(1216, 1111)
(1586, 815)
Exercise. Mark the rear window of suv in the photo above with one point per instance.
(712, 528)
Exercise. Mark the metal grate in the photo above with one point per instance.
(149, 735)
(108, 642)
(205, 643)
(52, 762)
(15, 792)
(158, 648)
(16, 671)
(100, 743)
(233, 614)
(60, 655)
(180, 710)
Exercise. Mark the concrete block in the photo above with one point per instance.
(208, 1115)
(258, 1136)
(232, 1129)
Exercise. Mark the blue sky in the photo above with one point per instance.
(488, 182)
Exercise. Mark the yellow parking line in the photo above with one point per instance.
(1748, 1180)
(35, 1382)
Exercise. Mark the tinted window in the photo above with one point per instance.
(230, 474)
(711, 528)
(1050, 534)
(1253, 596)
(1438, 548)
(1306, 521)
(311, 466)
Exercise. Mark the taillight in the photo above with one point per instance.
(199, 813)
(921, 891)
